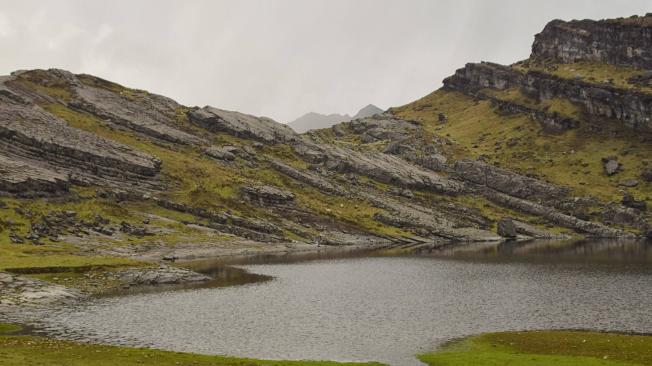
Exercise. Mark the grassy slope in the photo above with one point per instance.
(23, 351)
(545, 348)
(517, 142)
(28, 350)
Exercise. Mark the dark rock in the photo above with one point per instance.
(267, 195)
(101, 220)
(506, 228)
(16, 239)
(629, 183)
(441, 117)
(647, 175)
(108, 231)
(621, 215)
(129, 229)
(629, 201)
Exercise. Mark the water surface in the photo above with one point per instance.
(385, 308)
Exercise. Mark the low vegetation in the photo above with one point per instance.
(29, 350)
(571, 159)
(545, 348)
(594, 72)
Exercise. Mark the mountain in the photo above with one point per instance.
(316, 121)
(101, 178)
(367, 111)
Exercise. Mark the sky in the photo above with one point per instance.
(281, 58)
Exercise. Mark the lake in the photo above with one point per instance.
(383, 306)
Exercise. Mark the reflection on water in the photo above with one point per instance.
(586, 251)
(385, 306)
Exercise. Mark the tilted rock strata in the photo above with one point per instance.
(614, 41)
(632, 107)
(242, 125)
(508, 182)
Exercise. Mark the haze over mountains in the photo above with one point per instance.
(315, 121)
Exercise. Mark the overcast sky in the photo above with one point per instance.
(281, 58)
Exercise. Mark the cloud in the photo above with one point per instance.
(280, 58)
(5, 28)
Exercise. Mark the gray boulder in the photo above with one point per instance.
(629, 201)
(221, 153)
(506, 228)
(611, 165)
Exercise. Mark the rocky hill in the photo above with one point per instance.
(316, 121)
(96, 174)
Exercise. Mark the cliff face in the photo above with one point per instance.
(617, 42)
(629, 106)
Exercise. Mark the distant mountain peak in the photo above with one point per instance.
(315, 121)
(367, 111)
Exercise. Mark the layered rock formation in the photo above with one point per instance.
(630, 107)
(429, 172)
(614, 41)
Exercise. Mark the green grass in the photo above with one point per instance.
(545, 348)
(591, 72)
(519, 143)
(9, 328)
(27, 350)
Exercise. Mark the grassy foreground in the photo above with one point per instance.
(28, 350)
(540, 348)
(545, 348)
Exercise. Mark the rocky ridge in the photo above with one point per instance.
(91, 167)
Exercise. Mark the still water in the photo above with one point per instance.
(381, 307)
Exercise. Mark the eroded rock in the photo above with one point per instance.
(267, 195)
(242, 125)
(508, 182)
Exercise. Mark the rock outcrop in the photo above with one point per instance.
(242, 125)
(58, 154)
(508, 182)
(267, 195)
(614, 41)
(632, 107)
